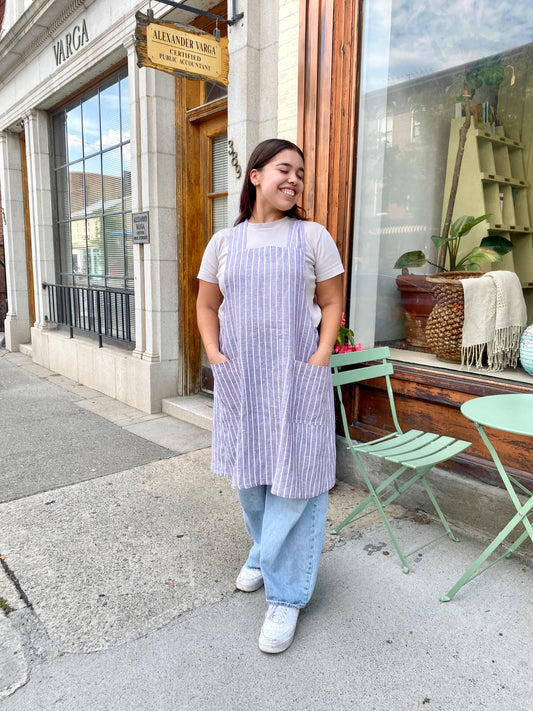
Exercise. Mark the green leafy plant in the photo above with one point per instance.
(490, 249)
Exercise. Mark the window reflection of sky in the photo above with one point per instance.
(91, 126)
(413, 38)
(105, 118)
(75, 150)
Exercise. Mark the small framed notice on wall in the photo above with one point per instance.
(141, 228)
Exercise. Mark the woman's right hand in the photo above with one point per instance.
(207, 306)
(214, 356)
(219, 358)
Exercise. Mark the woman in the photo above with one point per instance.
(265, 286)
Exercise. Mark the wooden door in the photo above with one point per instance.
(214, 181)
(202, 210)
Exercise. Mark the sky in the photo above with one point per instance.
(404, 39)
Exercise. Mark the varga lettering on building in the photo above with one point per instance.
(71, 43)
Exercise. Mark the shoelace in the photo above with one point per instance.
(278, 614)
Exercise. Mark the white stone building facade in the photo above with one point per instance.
(53, 51)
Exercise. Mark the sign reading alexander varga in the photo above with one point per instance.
(140, 228)
(181, 51)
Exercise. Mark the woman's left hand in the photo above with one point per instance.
(321, 356)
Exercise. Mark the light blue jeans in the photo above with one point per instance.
(288, 535)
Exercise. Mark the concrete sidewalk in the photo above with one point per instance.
(119, 564)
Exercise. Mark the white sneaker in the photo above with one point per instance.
(278, 628)
(249, 579)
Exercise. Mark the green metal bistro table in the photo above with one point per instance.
(509, 413)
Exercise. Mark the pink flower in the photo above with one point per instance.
(345, 339)
(347, 348)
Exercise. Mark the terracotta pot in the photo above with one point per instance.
(444, 328)
(417, 303)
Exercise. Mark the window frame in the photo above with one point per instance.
(64, 219)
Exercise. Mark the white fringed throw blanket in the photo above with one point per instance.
(495, 316)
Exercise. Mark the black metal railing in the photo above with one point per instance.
(108, 313)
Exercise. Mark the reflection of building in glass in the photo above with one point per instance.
(403, 160)
(97, 231)
(92, 166)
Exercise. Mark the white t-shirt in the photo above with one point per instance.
(322, 260)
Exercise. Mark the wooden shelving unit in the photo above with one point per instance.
(493, 180)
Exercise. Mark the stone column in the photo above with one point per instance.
(153, 150)
(41, 217)
(253, 85)
(17, 322)
(136, 198)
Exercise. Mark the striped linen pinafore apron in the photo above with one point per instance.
(273, 419)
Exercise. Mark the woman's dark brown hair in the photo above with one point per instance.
(262, 154)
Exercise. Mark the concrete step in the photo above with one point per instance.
(196, 409)
(25, 348)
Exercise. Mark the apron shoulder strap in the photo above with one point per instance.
(296, 236)
(237, 237)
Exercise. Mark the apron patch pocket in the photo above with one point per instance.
(312, 393)
(228, 389)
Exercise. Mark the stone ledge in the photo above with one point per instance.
(25, 348)
(195, 409)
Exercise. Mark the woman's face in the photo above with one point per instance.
(278, 184)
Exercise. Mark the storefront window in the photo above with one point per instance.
(416, 57)
(93, 185)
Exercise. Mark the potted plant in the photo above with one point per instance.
(445, 322)
(421, 294)
(490, 249)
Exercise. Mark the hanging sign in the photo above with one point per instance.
(181, 51)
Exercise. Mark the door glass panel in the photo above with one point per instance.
(219, 212)
(219, 163)
(219, 183)
(214, 91)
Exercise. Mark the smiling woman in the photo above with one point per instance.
(265, 286)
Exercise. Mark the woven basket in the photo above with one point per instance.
(444, 328)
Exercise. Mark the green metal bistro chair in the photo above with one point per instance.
(415, 451)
